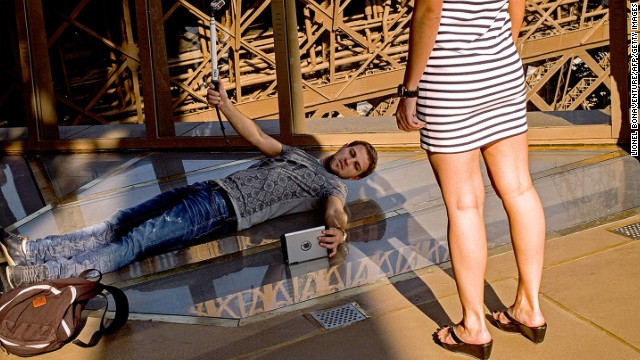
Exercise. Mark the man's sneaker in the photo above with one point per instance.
(4, 280)
(23, 275)
(11, 246)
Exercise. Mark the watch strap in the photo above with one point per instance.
(406, 93)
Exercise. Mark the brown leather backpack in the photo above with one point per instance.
(44, 316)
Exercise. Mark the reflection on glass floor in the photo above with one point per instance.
(397, 222)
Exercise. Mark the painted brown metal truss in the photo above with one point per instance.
(353, 53)
(565, 48)
(352, 56)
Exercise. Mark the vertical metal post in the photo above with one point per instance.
(158, 108)
(289, 74)
(40, 98)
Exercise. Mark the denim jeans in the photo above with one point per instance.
(169, 221)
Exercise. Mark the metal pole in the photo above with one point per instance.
(215, 6)
(289, 73)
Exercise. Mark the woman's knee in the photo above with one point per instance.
(464, 196)
(513, 188)
(466, 202)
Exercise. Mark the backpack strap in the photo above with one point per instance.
(122, 310)
(121, 316)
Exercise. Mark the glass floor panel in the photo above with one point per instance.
(397, 222)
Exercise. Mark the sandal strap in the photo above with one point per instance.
(454, 336)
(510, 318)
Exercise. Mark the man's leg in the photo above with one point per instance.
(39, 251)
(201, 213)
(124, 220)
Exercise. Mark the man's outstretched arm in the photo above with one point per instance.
(246, 127)
(336, 219)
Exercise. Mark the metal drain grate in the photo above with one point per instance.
(631, 231)
(339, 316)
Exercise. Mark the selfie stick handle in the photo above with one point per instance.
(214, 67)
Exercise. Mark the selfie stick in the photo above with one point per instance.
(215, 6)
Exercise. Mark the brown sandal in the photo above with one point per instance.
(535, 334)
(478, 351)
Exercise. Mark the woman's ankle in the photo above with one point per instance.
(529, 315)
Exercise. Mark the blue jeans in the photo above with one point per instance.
(169, 221)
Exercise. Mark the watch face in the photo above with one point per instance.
(403, 92)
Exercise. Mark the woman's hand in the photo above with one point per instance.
(406, 115)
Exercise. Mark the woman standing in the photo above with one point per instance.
(464, 90)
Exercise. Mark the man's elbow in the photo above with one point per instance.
(270, 154)
(268, 146)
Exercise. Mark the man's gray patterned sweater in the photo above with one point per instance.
(294, 181)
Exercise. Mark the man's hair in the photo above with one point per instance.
(372, 154)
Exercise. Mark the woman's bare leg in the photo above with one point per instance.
(508, 163)
(462, 188)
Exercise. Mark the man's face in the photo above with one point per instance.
(348, 162)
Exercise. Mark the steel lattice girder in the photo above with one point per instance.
(352, 55)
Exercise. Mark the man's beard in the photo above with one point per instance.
(327, 163)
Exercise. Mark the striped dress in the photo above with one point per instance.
(472, 91)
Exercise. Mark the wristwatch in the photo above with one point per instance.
(403, 92)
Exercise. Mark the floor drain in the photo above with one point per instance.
(631, 231)
(339, 316)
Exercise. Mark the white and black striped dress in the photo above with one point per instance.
(472, 91)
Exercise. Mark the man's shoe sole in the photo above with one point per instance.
(5, 253)
(9, 278)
